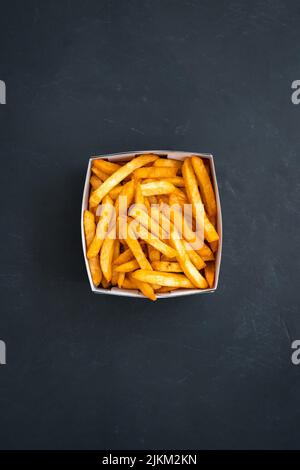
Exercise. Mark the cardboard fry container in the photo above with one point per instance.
(177, 155)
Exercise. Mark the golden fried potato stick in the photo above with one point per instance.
(154, 241)
(167, 266)
(165, 289)
(178, 197)
(90, 230)
(127, 267)
(137, 250)
(209, 272)
(114, 193)
(145, 288)
(153, 254)
(95, 270)
(105, 283)
(163, 279)
(106, 255)
(206, 187)
(152, 172)
(194, 256)
(195, 199)
(121, 277)
(102, 227)
(107, 167)
(187, 266)
(127, 255)
(99, 173)
(95, 182)
(115, 275)
(119, 176)
(129, 283)
(157, 188)
(127, 195)
(214, 246)
(89, 227)
(167, 162)
(149, 223)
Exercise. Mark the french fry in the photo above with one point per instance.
(115, 275)
(149, 223)
(166, 289)
(106, 256)
(206, 187)
(194, 256)
(114, 193)
(209, 272)
(145, 288)
(129, 284)
(95, 182)
(167, 162)
(205, 253)
(214, 246)
(163, 279)
(128, 267)
(90, 230)
(102, 227)
(187, 266)
(153, 172)
(153, 253)
(89, 227)
(137, 251)
(166, 266)
(156, 188)
(107, 167)
(95, 270)
(99, 173)
(118, 176)
(121, 277)
(154, 241)
(195, 199)
(127, 255)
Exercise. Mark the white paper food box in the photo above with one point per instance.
(177, 155)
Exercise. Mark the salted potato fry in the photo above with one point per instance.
(89, 227)
(193, 255)
(121, 277)
(168, 162)
(153, 254)
(206, 187)
(95, 270)
(114, 193)
(107, 167)
(106, 257)
(154, 241)
(178, 197)
(195, 199)
(209, 272)
(214, 246)
(95, 182)
(163, 279)
(128, 267)
(188, 268)
(115, 275)
(137, 251)
(166, 289)
(145, 288)
(118, 176)
(157, 188)
(99, 173)
(149, 223)
(129, 284)
(153, 172)
(124, 257)
(167, 266)
(102, 227)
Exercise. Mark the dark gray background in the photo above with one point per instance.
(206, 372)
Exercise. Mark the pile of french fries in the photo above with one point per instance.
(139, 235)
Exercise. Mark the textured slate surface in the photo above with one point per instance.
(203, 372)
